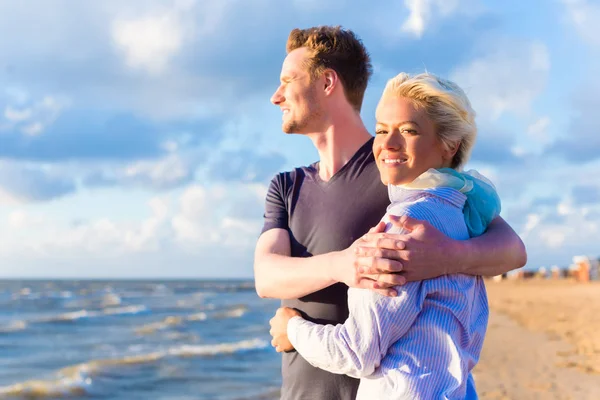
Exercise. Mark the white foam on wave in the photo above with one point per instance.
(20, 325)
(235, 312)
(77, 379)
(76, 315)
(128, 310)
(76, 384)
(169, 322)
(13, 326)
(111, 299)
(222, 348)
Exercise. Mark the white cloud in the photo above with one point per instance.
(584, 15)
(165, 172)
(554, 235)
(15, 115)
(538, 130)
(200, 218)
(421, 13)
(507, 79)
(32, 117)
(533, 220)
(33, 129)
(149, 42)
(20, 219)
(204, 220)
(173, 170)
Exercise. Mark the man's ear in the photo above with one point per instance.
(330, 81)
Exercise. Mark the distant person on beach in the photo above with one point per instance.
(423, 343)
(312, 247)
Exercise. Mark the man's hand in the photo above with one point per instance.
(424, 252)
(368, 272)
(279, 329)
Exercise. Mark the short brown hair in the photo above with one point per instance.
(340, 50)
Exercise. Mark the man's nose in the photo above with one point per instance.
(277, 97)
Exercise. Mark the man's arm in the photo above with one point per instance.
(278, 275)
(427, 253)
(496, 252)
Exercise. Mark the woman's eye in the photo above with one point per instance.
(380, 132)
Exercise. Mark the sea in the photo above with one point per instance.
(130, 339)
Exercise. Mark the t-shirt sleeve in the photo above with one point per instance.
(276, 213)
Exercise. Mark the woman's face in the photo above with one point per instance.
(406, 143)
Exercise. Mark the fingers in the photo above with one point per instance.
(406, 222)
(278, 348)
(376, 265)
(380, 227)
(386, 281)
(378, 253)
(373, 285)
(385, 240)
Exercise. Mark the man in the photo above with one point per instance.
(312, 245)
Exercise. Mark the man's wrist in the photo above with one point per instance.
(333, 271)
(462, 253)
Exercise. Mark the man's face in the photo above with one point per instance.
(297, 95)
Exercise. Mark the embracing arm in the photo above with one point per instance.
(496, 252)
(357, 346)
(278, 275)
(427, 253)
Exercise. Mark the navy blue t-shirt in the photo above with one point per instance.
(322, 217)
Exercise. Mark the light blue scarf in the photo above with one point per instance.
(482, 204)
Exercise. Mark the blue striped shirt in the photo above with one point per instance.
(422, 344)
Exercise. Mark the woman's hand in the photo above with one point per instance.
(279, 328)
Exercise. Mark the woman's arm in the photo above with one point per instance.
(357, 346)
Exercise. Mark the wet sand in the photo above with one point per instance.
(543, 341)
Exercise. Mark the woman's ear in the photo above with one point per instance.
(450, 150)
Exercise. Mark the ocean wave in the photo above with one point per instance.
(235, 312)
(81, 314)
(27, 293)
(169, 322)
(13, 326)
(78, 379)
(73, 316)
(111, 299)
(75, 385)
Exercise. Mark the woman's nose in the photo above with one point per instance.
(393, 141)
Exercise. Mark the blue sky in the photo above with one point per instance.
(137, 138)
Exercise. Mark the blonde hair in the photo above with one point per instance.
(446, 104)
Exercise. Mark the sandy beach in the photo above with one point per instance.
(543, 341)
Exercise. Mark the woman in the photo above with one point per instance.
(424, 343)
